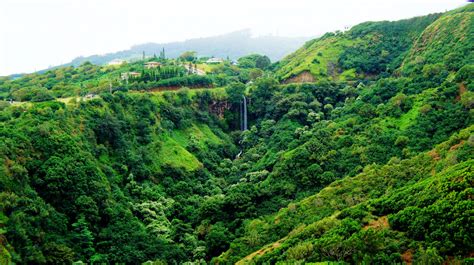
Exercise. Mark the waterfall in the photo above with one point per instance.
(244, 127)
(241, 115)
(243, 121)
(238, 155)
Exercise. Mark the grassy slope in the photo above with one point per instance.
(173, 151)
(174, 155)
(320, 57)
(452, 34)
(200, 132)
(314, 57)
(407, 119)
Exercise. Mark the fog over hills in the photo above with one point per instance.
(232, 45)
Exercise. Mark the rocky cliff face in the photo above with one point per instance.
(219, 107)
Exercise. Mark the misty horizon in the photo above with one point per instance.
(45, 33)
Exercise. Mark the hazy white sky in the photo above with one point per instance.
(35, 34)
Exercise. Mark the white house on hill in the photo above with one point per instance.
(214, 60)
(127, 75)
(150, 65)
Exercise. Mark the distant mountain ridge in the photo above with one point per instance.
(233, 45)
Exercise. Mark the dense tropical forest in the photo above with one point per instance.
(359, 150)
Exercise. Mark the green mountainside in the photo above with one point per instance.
(448, 40)
(378, 216)
(359, 150)
(380, 48)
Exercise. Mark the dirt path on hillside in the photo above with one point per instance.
(260, 252)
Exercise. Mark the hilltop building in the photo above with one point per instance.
(214, 60)
(127, 75)
(150, 65)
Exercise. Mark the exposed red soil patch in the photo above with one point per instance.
(456, 146)
(462, 90)
(434, 154)
(407, 256)
(248, 259)
(380, 223)
(303, 77)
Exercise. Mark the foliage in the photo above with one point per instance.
(371, 163)
(254, 61)
(188, 56)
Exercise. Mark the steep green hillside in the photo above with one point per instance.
(319, 133)
(104, 180)
(366, 50)
(371, 49)
(397, 202)
(449, 41)
(174, 150)
(318, 57)
(379, 214)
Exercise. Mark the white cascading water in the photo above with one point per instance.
(243, 120)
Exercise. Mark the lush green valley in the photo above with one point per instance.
(360, 150)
